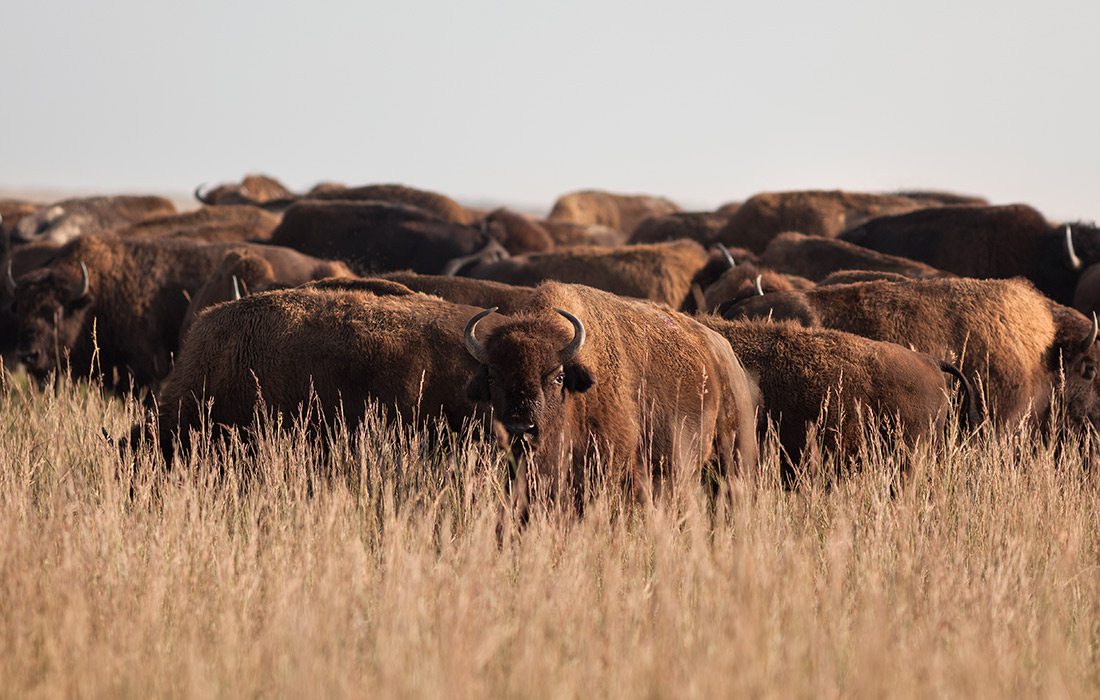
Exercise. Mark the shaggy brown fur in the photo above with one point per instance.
(854, 276)
(377, 237)
(439, 205)
(619, 211)
(984, 242)
(464, 290)
(345, 345)
(69, 219)
(138, 295)
(811, 373)
(814, 257)
(220, 224)
(567, 234)
(257, 190)
(518, 233)
(701, 227)
(950, 199)
(660, 272)
(258, 269)
(650, 388)
(12, 211)
(818, 213)
(1003, 334)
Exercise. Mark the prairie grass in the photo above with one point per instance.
(379, 566)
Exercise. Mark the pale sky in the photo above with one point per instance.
(519, 101)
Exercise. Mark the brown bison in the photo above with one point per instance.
(465, 290)
(111, 303)
(661, 272)
(567, 234)
(583, 375)
(376, 237)
(618, 211)
(701, 227)
(518, 233)
(812, 374)
(742, 281)
(1006, 337)
(988, 242)
(814, 257)
(222, 224)
(71, 218)
(252, 269)
(817, 213)
(342, 344)
(255, 190)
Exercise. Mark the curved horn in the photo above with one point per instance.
(200, 195)
(1074, 261)
(570, 351)
(1095, 331)
(472, 344)
(236, 289)
(759, 288)
(727, 255)
(9, 278)
(84, 283)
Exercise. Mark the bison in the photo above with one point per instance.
(812, 374)
(661, 272)
(814, 257)
(376, 237)
(567, 234)
(701, 227)
(619, 211)
(518, 233)
(1005, 336)
(222, 224)
(764, 216)
(583, 375)
(988, 242)
(62, 222)
(341, 344)
(255, 190)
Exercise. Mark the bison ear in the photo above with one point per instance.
(577, 378)
(478, 388)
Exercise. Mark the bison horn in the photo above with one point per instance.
(200, 195)
(727, 255)
(1095, 331)
(759, 288)
(570, 351)
(236, 289)
(1074, 261)
(476, 348)
(84, 282)
(9, 278)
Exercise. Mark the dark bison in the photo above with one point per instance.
(343, 344)
(817, 213)
(71, 218)
(439, 205)
(1006, 337)
(815, 258)
(373, 237)
(111, 303)
(222, 224)
(252, 269)
(660, 272)
(255, 190)
(619, 211)
(701, 227)
(518, 233)
(808, 375)
(989, 242)
(584, 376)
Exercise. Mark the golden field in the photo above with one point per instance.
(380, 566)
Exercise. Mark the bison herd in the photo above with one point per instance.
(618, 330)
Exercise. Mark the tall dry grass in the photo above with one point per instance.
(378, 570)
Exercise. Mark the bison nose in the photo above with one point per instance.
(519, 428)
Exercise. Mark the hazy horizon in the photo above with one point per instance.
(508, 103)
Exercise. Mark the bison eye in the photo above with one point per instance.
(559, 378)
(1088, 371)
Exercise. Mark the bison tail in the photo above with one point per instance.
(971, 410)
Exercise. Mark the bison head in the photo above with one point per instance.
(51, 305)
(528, 370)
(1077, 357)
